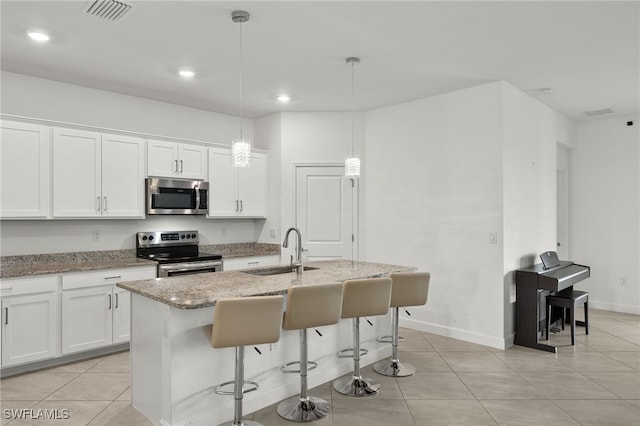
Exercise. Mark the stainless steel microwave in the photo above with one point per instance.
(176, 196)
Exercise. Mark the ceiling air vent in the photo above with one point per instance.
(110, 10)
(598, 112)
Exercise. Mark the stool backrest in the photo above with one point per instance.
(312, 306)
(242, 321)
(366, 297)
(409, 288)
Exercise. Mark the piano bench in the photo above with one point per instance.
(569, 300)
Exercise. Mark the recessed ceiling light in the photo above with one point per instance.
(38, 36)
(284, 98)
(546, 91)
(186, 73)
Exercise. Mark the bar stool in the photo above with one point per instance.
(308, 306)
(242, 321)
(361, 298)
(569, 300)
(407, 289)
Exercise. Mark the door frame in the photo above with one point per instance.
(355, 201)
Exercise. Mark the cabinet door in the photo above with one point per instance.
(122, 176)
(192, 161)
(252, 187)
(121, 315)
(86, 318)
(25, 191)
(162, 159)
(76, 173)
(29, 328)
(223, 197)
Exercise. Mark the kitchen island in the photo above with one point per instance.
(174, 369)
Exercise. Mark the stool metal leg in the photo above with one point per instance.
(356, 385)
(303, 408)
(394, 367)
(238, 392)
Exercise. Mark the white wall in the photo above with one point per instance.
(605, 211)
(269, 130)
(531, 132)
(26, 96)
(434, 193)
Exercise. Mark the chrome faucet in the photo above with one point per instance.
(298, 263)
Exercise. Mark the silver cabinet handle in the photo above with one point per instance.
(6, 315)
(109, 302)
(237, 205)
(113, 277)
(105, 204)
(98, 204)
(176, 168)
(240, 205)
(116, 300)
(181, 166)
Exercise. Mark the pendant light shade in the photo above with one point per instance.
(241, 152)
(352, 163)
(241, 147)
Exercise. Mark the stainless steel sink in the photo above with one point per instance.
(276, 270)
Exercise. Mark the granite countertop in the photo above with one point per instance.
(56, 263)
(202, 290)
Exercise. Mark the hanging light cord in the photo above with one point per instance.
(241, 79)
(353, 126)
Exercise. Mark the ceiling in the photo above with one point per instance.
(586, 52)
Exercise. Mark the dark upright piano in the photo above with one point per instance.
(533, 284)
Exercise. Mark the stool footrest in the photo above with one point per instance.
(388, 339)
(348, 353)
(311, 365)
(219, 391)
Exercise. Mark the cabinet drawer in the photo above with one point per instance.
(28, 285)
(106, 277)
(236, 263)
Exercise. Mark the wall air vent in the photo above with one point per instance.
(598, 112)
(110, 10)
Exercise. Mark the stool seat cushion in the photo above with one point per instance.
(409, 289)
(312, 306)
(366, 297)
(242, 321)
(574, 295)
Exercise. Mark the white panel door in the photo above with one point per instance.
(122, 176)
(162, 158)
(24, 163)
(76, 173)
(325, 212)
(192, 161)
(223, 196)
(86, 318)
(29, 328)
(252, 187)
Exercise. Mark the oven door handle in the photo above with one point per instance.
(189, 266)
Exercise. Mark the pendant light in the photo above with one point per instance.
(241, 148)
(352, 163)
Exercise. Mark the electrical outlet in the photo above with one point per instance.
(272, 232)
(97, 236)
(493, 237)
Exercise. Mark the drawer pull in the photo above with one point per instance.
(116, 300)
(254, 263)
(109, 302)
(6, 315)
(113, 277)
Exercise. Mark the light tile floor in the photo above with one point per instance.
(597, 382)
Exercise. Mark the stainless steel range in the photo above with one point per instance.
(176, 252)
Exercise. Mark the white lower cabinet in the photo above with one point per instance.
(30, 319)
(95, 312)
(235, 263)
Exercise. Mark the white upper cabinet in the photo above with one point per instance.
(237, 192)
(178, 160)
(25, 180)
(96, 175)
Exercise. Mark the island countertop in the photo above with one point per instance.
(202, 290)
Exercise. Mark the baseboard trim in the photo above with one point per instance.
(615, 307)
(456, 333)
